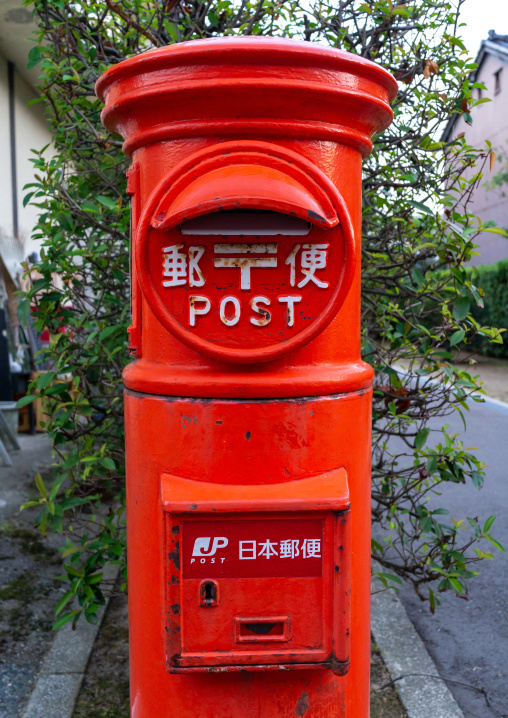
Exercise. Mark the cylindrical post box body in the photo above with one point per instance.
(247, 404)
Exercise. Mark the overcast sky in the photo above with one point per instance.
(481, 16)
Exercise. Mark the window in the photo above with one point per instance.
(497, 78)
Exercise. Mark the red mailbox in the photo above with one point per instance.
(247, 404)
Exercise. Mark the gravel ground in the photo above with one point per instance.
(384, 700)
(105, 689)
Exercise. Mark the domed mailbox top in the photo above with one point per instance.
(246, 85)
(245, 249)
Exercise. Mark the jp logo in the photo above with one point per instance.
(202, 545)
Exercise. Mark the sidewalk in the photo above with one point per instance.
(40, 671)
(28, 565)
(494, 375)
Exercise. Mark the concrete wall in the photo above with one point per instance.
(490, 122)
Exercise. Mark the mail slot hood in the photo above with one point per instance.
(249, 185)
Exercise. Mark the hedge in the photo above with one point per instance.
(493, 280)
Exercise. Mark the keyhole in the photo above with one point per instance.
(208, 593)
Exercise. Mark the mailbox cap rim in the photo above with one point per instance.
(222, 50)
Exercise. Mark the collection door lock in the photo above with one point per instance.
(208, 593)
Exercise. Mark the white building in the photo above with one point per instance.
(490, 122)
(22, 128)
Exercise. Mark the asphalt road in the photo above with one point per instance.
(468, 640)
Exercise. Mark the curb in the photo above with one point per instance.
(420, 687)
(497, 403)
(59, 680)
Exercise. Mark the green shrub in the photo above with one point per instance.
(418, 235)
(493, 281)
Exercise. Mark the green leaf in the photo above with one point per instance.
(73, 571)
(107, 332)
(474, 524)
(26, 400)
(172, 32)
(457, 337)
(40, 485)
(495, 543)
(69, 551)
(29, 504)
(477, 479)
(63, 620)
(91, 617)
(45, 380)
(389, 577)
(97, 578)
(108, 463)
(488, 524)
(496, 230)
(27, 198)
(422, 207)
(432, 465)
(63, 602)
(34, 57)
(108, 202)
(421, 437)
(456, 584)
(418, 277)
(461, 308)
(89, 207)
(23, 311)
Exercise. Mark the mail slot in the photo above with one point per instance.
(247, 403)
(263, 630)
(246, 223)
